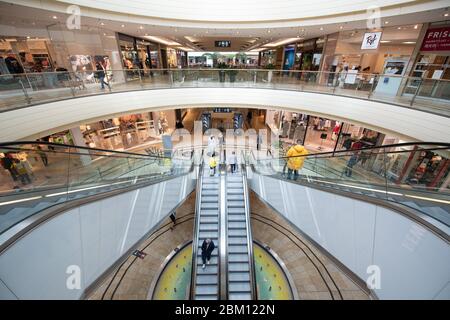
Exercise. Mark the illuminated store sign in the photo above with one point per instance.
(436, 39)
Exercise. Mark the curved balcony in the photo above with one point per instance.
(27, 90)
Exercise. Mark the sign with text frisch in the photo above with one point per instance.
(371, 40)
(436, 39)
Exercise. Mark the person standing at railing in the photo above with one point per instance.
(43, 155)
(296, 158)
(8, 163)
(350, 163)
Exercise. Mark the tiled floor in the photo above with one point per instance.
(315, 276)
(133, 279)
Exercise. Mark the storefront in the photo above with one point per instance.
(138, 53)
(308, 54)
(432, 64)
(361, 54)
(320, 134)
(21, 54)
(268, 58)
(129, 131)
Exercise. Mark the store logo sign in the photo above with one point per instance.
(74, 19)
(436, 39)
(371, 40)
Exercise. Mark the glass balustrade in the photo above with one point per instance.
(410, 174)
(35, 176)
(20, 90)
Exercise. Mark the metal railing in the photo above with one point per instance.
(251, 258)
(195, 243)
(28, 89)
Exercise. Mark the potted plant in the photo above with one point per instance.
(221, 65)
(270, 67)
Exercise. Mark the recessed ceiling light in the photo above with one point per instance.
(445, 14)
(141, 27)
(28, 37)
(386, 22)
(102, 23)
(123, 26)
(341, 27)
(268, 31)
(321, 28)
(416, 26)
(55, 17)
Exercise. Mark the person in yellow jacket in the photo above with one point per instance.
(212, 166)
(295, 160)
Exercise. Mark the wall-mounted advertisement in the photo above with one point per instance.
(371, 40)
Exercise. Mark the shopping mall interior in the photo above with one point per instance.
(258, 150)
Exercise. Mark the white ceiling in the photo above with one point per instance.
(18, 20)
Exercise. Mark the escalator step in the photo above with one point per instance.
(239, 276)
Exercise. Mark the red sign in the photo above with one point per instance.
(436, 39)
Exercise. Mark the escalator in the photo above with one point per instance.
(239, 239)
(222, 214)
(206, 280)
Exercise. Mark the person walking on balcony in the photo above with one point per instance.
(296, 158)
(207, 249)
(100, 74)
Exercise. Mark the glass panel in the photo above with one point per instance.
(33, 177)
(413, 175)
(39, 175)
(99, 77)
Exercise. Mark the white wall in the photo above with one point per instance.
(92, 237)
(414, 262)
(47, 118)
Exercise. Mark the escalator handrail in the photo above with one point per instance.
(21, 228)
(251, 259)
(223, 238)
(59, 145)
(332, 154)
(402, 209)
(196, 229)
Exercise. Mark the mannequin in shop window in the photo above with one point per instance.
(335, 133)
